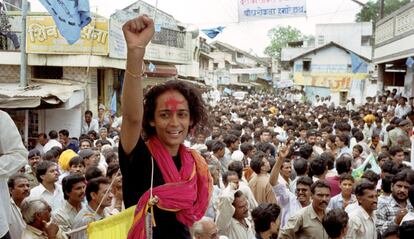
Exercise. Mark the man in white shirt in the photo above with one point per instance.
(362, 219)
(19, 187)
(351, 105)
(89, 123)
(47, 174)
(402, 108)
(232, 213)
(53, 141)
(289, 202)
(41, 142)
(13, 156)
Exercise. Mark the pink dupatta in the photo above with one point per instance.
(186, 192)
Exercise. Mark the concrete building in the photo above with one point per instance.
(394, 37)
(356, 37)
(65, 80)
(329, 71)
(330, 54)
(238, 69)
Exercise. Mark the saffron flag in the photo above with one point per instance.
(113, 227)
(370, 163)
(70, 16)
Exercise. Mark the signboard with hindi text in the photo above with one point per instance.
(333, 81)
(266, 9)
(44, 37)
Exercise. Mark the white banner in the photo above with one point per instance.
(265, 9)
(250, 71)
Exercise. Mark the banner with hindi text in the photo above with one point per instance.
(265, 9)
(334, 81)
(44, 37)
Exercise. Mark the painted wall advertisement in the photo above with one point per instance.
(44, 37)
(264, 9)
(333, 81)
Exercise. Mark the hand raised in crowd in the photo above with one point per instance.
(282, 155)
(138, 32)
(401, 213)
(284, 152)
(51, 229)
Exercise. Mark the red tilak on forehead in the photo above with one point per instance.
(172, 104)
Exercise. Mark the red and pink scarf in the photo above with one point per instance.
(186, 192)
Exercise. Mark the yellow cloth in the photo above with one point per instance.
(113, 227)
(65, 157)
(369, 118)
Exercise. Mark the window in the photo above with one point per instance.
(306, 65)
(365, 40)
(47, 72)
(321, 40)
(215, 66)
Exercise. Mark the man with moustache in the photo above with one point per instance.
(307, 222)
(34, 159)
(95, 194)
(73, 187)
(232, 213)
(362, 219)
(19, 188)
(289, 202)
(391, 213)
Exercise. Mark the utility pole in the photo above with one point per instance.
(381, 13)
(23, 56)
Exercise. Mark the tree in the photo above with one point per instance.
(279, 38)
(371, 10)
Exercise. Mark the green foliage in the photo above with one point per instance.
(279, 38)
(372, 8)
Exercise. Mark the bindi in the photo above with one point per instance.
(172, 104)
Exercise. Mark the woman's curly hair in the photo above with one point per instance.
(196, 105)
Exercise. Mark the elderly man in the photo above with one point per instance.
(205, 229)
(36, 214)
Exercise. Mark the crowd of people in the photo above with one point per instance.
(268, 166)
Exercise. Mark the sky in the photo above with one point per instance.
(249, 36)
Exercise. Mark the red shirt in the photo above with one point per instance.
(334, 183)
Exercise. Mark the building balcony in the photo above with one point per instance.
(394, 35)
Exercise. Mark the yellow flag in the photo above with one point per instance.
(113, 227)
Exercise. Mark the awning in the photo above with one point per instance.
(197, 83)
(231, 62)
(256, 84)
(13, 96)
(241, 84)
(161, 71)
